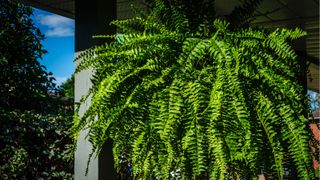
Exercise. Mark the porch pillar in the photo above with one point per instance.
(91, 18)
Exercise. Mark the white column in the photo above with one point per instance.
(91, 18)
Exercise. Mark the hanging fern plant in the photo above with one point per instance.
(183, 93)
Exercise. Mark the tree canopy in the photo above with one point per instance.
(24, 81)
(67, 88)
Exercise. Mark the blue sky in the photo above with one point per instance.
(59, 42)
(314, 103)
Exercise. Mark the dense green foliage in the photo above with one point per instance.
(34, 120)
(25, 82)
(186, 95)
(35, 146)
(67, 88)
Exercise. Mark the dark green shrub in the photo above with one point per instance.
(35, 146)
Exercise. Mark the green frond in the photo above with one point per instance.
(217, 144)
(277, 42)
(194, 140)
(134, 25)
(268, 118)
(243, 14)
(297, 138)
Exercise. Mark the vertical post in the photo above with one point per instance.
(91, 18)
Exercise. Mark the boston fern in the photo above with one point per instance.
(185, 94)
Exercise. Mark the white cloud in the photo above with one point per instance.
(58, 26)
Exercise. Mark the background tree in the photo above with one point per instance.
(184, 94)
(67, 88)
(34, 120)
(25, 83)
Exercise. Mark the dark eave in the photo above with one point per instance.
(64, 8)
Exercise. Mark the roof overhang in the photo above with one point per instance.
(64, 8)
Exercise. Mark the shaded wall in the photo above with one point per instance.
(91, 18)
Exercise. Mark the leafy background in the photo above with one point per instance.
(35, 114)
